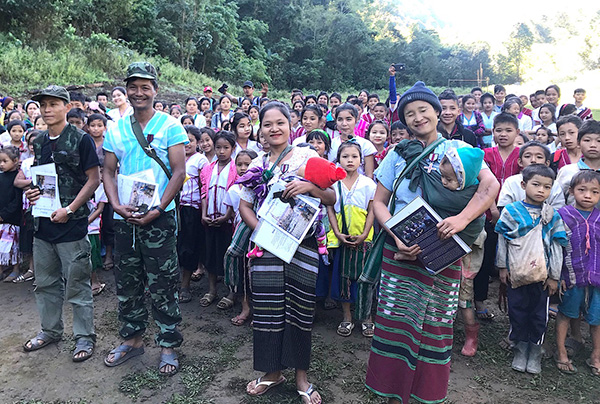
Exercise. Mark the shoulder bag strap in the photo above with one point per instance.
(344, 228)
(149, 150)
(408, 168)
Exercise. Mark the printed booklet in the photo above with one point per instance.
(45, 178)
(138, 191)
(282, 225)
(417, 223)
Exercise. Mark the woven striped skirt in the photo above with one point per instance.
(411, 349)
(283, 299)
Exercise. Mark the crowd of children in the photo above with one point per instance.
(541, 234)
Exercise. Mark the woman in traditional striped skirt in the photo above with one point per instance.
(283, 295)
(410, 353)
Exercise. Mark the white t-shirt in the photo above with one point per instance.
(115, 115)
(551, 127)
(367, 149)
(99, 196)
(513, 192)
(362, 192)
(525, 123)
(233, 199)
(200, 121)
(535, 116)
(190, 192)
(252, 145)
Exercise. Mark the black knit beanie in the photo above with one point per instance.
(418, 92)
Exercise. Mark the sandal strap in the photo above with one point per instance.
(308, 392)
(169, 359)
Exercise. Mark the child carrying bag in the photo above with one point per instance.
(526, 255)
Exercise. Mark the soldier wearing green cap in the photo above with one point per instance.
(61, 249)
(145, 244)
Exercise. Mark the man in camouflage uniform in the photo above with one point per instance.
(61, 249)
(145, 243)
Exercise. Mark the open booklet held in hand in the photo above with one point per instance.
(139, 191)
(283, 224)
(45, 178)
(417, 223)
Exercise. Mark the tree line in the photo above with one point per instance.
(324, 44)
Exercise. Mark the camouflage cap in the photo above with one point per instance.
(53, 91)
(141, 70)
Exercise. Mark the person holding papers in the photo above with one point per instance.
(416, 309)
(145, 243)
(283, 294)
(61, 249)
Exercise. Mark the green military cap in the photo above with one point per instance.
(141, 70)
(53, 91)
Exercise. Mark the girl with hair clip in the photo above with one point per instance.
(191, 238)
(216, 178)
(224, 115)
(346, 117)
(192, 109)
(472, 119)
(351, 220)
(11, 205)
(243, 131)
(379, 134)
(311, 119)
(320, 141)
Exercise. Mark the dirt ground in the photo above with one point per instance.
(216, 360)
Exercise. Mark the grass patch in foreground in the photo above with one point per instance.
(495, 362)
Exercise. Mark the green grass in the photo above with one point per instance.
(494, 363)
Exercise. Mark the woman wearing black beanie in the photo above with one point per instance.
(410, 354)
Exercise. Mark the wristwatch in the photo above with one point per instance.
(69, 211)
(160, 210)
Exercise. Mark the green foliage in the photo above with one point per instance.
(315, 44)
(81, 61)
(518, 46)
(591, 51)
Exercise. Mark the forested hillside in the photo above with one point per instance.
(325, 44)
(311, 44)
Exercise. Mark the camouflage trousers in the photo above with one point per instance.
(148, 253)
